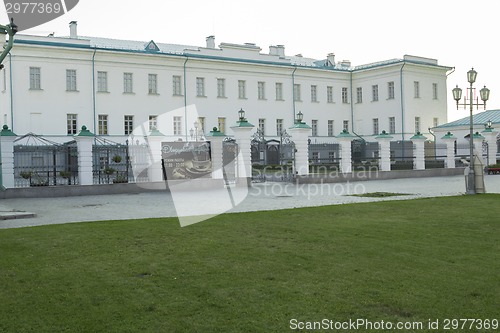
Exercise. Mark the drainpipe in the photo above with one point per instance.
(293, 95)
(185, 98)
(352, 109)
(93, 90)
(11, 95)
(402, 104)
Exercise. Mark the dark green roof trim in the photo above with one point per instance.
(36, 42)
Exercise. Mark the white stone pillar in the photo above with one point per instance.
(155, 139)
(449, 139)
(419, 152)
(242, 136)
(345, 141)
(216, 139)
(300, 136)
(384, 141)
(7, 157)
(84, 141)
(490, 136)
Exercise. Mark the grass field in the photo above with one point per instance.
(397, 261)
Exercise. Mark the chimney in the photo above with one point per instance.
(281, 50)
(210, 42)
(72, 29)
(345, 63)
(330, 59)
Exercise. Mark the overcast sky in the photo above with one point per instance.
(460, 34)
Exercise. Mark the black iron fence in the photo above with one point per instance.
(401, 155)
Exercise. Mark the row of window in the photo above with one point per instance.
(128, 87)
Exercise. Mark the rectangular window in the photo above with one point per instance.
(344, 95)
(262, 126)
(102, 120)
(359, 95)
(222, 124)
(153, 122)
(279, 91)
(200, 86)
(345, 125)
(242, 94)
(390, 90)
(71, 126)
(315, 156)
(329, 94)
(177, 125)
(35, 78)
(279, 127)
(314, 94)
(375, 93)
(331, 156)
(417, 124)
(261, 90)
(392, 125)
(375, 126)
(128, 124)
(102, 81)
(416, 89)
(296, 92)
(435, 122)
(70, 80)
(128, 84)
(434, 91)
(314, 125)
(153, 84)
(177, 85)
(330, 128)
(221, 88)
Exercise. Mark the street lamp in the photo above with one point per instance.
(196, 130)
(457, 95)
(241, 114)
(300, 117)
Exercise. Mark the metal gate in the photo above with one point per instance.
(230, 160)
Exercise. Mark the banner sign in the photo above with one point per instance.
(186, 160)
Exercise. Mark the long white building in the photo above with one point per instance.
(54, 85)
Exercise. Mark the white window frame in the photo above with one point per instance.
(279, 91)
(314, 93)
(296, 92)
(128, 124)
(177, 124)
(103, 125)
(434, 91)
(376, 129)
(329, 94)
(359, 95)
(72, 123)
(345, 95)
(242, 93)
(279, 127)
(153, 84)
(314, 127)
(200, 87)
(71, 80)
(262, 125)
(375, 93)
(261, 90)
(221, 88)
(177, 85)
(153, 122)
(331, 128)
(102, 81)
(35, 78)
(392, 125)
(390, 90)
(128, 83)
(416, 89)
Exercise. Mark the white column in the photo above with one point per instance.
(216, 138)
(84, 141)
(384, 141)
(449, 139)
(243, 139)
(7, 157)
(345, 154)
(490, 136)
(155, 139)
(300, 136)
(419, 153)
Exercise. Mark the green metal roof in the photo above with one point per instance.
(477, 119)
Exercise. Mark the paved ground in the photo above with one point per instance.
(265, 196)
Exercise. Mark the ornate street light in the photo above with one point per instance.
(457, 95)
(300, 117)
(241, 114)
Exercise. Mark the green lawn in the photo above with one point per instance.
(395, 261)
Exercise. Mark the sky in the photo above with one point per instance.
(460, 34)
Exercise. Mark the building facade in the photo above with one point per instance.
(52, 86)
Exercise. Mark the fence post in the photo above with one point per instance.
(155, 138)
(216, 138)
(300, 135)
(7, 157)
(450, 149)
(345, 140)
(491, 138)
(384, 141)
(243, 139)
(419, 155)
(84, 141)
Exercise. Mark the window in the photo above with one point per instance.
(201, 125)
(177, 125)
(375, 126)
(35, 78)
(177, 85)
(345, 125)
(359, 95)
(330, 128)
(221, 88)
(392, 125)
(128, 124)
(416, 89)
(153, 122)
(102, 120)
(72, 126)
(329, 94)
(417, 124)
(222, 124)
(296, 92)
(314, 94)
(315, 156)
(70, 80)
(261, 90)
(331, 156)
(390, 90)
(434, 91)
(153, 84)
(375, 93)
(242, 94)
(435, 122)
(200, 86)
(344, 95)
(279, 91)
(128, 87)
(102, 81)
(279, 127)
(262, 126)
(314, 125)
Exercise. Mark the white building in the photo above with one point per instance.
(52, 86)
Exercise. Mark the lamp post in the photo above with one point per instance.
(457, 95)
(196, 131)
